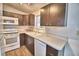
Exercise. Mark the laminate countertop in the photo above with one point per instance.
(54, 41)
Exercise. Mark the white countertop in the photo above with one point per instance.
(54, 41)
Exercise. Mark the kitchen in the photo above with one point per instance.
(39, 29)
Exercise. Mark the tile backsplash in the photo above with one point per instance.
(60, 31)
(72, 33)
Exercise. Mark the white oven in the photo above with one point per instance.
(11, 41)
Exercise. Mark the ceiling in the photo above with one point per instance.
(27, 7)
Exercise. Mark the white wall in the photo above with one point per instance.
(37, 20)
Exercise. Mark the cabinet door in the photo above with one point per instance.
(30, 44)
(22, 39)
(20, 20)
(31, 20)
(57, 14)
(51, 51)
(45, 15)
(25, 20)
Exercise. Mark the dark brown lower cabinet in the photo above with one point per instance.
(51, 51)
(22, 39)
(29, 43)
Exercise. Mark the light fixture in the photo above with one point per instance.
(42, 10)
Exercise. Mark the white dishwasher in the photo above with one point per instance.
(40, 48)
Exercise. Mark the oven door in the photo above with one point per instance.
(11, 41)
(11, 38)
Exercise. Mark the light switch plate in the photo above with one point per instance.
(78, 33)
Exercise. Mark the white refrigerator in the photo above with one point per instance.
(72, 46)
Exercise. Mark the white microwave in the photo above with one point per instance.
(10, 20)
(10, 24)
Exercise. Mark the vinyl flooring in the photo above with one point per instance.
(22, 51)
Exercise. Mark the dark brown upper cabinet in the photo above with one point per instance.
(45, 15)
(25, 20)
(31, 19)
(53, 14)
